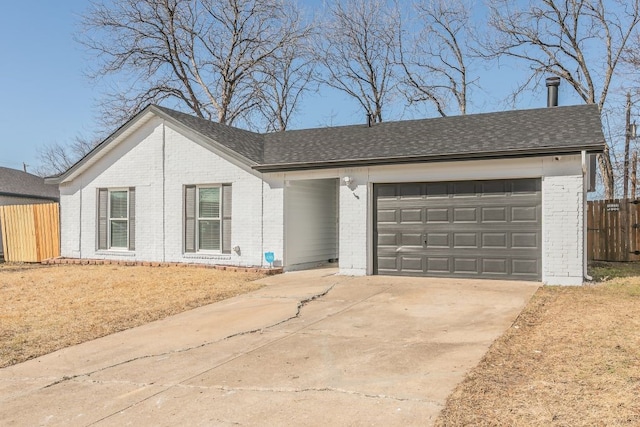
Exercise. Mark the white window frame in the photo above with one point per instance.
(110, 219)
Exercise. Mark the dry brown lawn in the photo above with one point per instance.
(572, 358)
(45, 308)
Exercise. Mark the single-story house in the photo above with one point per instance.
(22, 188)
(497, 195)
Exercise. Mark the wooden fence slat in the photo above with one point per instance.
(613, 233)
(30, 233)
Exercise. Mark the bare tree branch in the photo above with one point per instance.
(580, 41)
(435, 60)
(204, 55)
(56, 158)
(357, 51)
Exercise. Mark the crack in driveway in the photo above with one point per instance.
(301, 304)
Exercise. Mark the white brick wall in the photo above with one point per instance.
(272, 239)
(563, 237)
(353, 245)
(190, 163)
(141, 160)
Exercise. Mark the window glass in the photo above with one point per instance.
(119, 204)
(209, 234)
(119, 234)
(209, 203)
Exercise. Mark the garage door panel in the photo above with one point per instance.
(411, 215)
(495, 266)
(411, 264)
(437, 240)
(465, 265)
(524, 214)
(411, 239)
(465, 240)
(387, 263)
(494, 214)
(525, 186)
(494, 240)
(463, 189)
(494, 188)
(388, 239)
(471, 228)
(411, 191)
(466, 214)
(438, 265)
(437, 215)
(387, 216)
(386, 191)
(524, 267)
(524, 240)
(437, 190)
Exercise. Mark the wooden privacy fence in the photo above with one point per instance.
(30, 233)
(613, 232)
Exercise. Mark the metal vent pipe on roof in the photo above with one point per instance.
(552, 91)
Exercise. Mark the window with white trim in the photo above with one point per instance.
(116, 218)
(207, 213)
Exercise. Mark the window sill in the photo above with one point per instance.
(216, 257)
(118, 252)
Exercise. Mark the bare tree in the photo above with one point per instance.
(285, 78)
(204, 55)
(357, 50)
(435, 59)
(580, 41)
(56, 158)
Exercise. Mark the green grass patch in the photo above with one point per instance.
(602, 271)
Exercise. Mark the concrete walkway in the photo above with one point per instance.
(310, 348)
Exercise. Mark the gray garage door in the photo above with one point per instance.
(488, 229)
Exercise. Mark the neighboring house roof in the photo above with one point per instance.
(543, 131)
(15, 183)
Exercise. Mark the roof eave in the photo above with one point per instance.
(547, 151)
(29, 196)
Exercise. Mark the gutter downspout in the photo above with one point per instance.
(164, 196)
(261, 220)
(585, 177)
(80, 228)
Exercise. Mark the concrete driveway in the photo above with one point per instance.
(310, 348)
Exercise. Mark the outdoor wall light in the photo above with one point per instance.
(348, 180)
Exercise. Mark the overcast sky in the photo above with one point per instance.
(45, 97)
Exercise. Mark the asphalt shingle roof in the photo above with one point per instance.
(543, 131)
(247, 144)
(18, 183)
(510, 133)
(551, 129)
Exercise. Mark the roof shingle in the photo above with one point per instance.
(18, 183)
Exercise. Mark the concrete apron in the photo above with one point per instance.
(310, 348)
